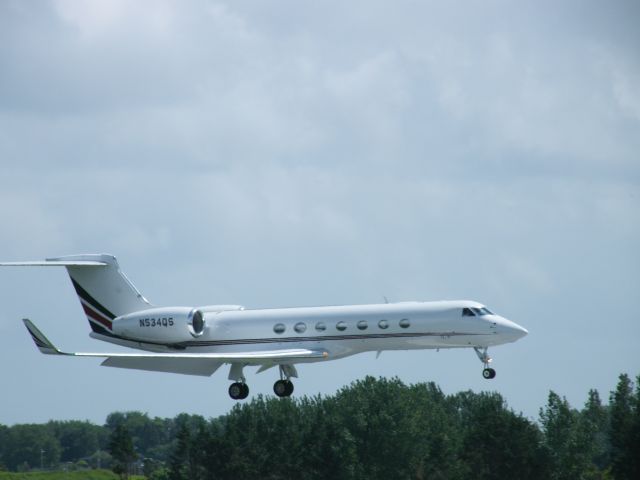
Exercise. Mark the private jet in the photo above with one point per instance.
(199, 340)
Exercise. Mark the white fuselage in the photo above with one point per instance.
(340, 330)
(197, 341)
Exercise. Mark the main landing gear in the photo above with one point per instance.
(239, 390)
(284, 386)
(484, 357)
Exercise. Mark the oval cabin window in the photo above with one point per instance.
(279, 328)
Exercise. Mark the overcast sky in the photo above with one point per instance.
(280, 153)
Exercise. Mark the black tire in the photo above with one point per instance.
(280, 388)
(245, 391)
(488, 373)
(289, 390)
(236, 390)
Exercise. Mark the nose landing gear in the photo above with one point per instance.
(484, 357)
(488, 373)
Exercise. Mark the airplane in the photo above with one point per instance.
(199, 340)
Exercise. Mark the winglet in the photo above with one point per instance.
(43, 344)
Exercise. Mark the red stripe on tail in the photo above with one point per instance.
(94, 315)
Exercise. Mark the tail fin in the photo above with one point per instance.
(103, 290)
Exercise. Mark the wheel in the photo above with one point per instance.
(283, 388)
(245, 391)
(289, 390)
(280, 388)
(488, 373)
(236, 390)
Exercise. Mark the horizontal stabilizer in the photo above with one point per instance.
(42, 342)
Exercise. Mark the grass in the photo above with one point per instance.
(78, 475)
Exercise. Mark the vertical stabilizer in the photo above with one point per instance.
(104, 291)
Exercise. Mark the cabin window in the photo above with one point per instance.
(279, 328)
(466, 312)
(362, 325)
(405, 323)
(321, 327)
(300, 327)
(341, 326)
(383, 324)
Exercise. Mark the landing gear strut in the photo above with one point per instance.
(284, 386)
(484, 357)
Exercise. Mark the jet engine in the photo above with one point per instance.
(161, 325)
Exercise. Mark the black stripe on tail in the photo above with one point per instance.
(84, 295)
(39, 343)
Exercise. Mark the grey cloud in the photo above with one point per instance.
(272, 154)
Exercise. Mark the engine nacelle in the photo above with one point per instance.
(164, 325)
(220, 308)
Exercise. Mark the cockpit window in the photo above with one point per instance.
(473, 311)
(482, 311)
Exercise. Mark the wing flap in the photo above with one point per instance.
(186, 366)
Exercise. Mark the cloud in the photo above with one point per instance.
(285, 153)
(212, 83)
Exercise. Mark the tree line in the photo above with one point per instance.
(374, 428)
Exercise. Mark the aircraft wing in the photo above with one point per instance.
(161, 361)
(55, 263)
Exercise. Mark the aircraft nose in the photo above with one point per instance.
(519, 330)
(512, 329)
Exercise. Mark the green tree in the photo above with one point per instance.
(634, 436)
(77, 439)
(4, 435)
(122, 451)
(569, 455)
(396, 430)
(146, 432)
(100, 459)
(182, 464)
(623, 408)
(593, 427)
(32, 445)
(497, 443)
